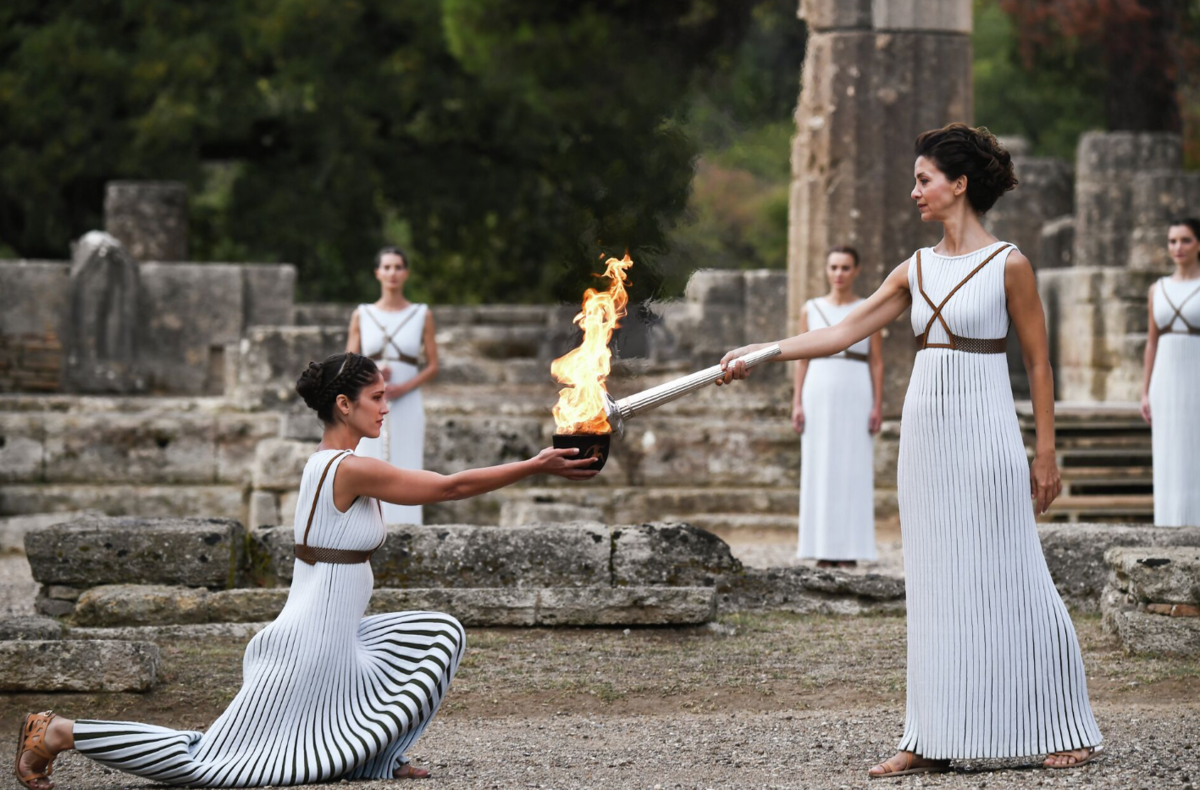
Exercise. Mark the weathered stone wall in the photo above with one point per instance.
(150, 218)
(875, 76)
(1152, 602)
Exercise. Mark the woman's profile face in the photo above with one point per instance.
(840, 270)
(392, 271)
(365, 414)
(933, 192)
(1182, 244)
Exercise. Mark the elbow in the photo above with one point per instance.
(431, 371)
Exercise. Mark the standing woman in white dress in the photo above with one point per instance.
(837, 409)
(994, 666)
(393, 331)
(327, 693)
(1171, 385)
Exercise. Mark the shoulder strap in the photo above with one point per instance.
(820, 312)
(1178, 310)
(937, 309)
(317, 495)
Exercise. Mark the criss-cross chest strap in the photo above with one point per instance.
(389, 338)
(1168, 329)
(314, 554)
(854, 355)
(957, 342)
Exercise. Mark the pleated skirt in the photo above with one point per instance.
(837, 465)
(327, 694)
(1175, 429)
(994, 666)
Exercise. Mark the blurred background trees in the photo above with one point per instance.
(504, 143)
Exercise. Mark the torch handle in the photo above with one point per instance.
(669, 391)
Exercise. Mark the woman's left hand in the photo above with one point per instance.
(394, 391)
(875, 421)
(1044, 482)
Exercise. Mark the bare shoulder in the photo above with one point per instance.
(1018, 271)
(899, 275)
(1017, 260)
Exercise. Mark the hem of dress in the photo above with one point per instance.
(929, 754)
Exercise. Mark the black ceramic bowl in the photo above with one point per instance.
(594, 445)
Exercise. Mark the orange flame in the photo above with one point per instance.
(580, 407)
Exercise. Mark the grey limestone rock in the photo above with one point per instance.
(195, 552)
(1164, 574)
(140, 604)
(34, 628)
(1141, 632)
(677, 555)
(79, 666)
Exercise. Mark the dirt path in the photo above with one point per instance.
(752, 701)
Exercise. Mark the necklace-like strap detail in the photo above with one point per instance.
(1169, 329)
(389, 337)
(957, 342)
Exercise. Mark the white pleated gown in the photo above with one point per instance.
(1175, 406)
(837, 470)
(405, 427)
(326, 694)
(994, 666)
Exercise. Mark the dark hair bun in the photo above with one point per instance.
(339, 374)
(960, 150)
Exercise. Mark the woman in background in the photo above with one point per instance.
(1171, 384)
(393, 331)
(837, 409)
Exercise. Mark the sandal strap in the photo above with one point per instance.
(35, 741)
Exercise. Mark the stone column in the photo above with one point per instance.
(149, 218)
(876, 74)
(101, 335)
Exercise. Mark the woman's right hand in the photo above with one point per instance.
(1146, 409)
(386, 371)
(739, 370)
(561, 463)
(798, 417)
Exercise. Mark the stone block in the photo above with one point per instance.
(245, 606)
(124, 500)
(666, 448)
(721, 297)
(279, 463)
(1162, 574)
(22, 447)
(78, 666)
(489, 607)
(100, 330)
(676, 555)
(13, 529)
(811, 591)
(454, 443)
(609, 606)
(1075, 554)
(822, 15)
(1159, 196)
(264, 509)
(1141, 632)
(140, 604)
(1047, 190)
(270, 359)
(517, 513)
(149, 217)
(29, 628)
(460, 555)
(36, 297)
(194, 552)
(269, 293)
(237, 439)
(152, 446)
(943, 16)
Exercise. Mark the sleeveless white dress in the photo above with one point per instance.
(1175, 404)
(327, 693)
(404, 429)
(837, 462)
(994, 666)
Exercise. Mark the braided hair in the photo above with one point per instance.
(340, 374)
(960, 150)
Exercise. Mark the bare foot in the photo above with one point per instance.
(410, 771)
(1069, 759)
(904, 763)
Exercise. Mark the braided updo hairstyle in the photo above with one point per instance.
(340, 374)
(960, 150)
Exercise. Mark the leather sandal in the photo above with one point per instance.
(929, 767)
(1093, 753)
(410, 771)
(33, 739)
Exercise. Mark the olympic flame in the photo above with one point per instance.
(583, 371)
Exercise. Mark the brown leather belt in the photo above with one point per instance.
(854, 355)
(314, 554)
(1191, 330)
(970, 345)
(402, 358)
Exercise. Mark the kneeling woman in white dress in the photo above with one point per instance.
(994, 666)
(327, 693)
(837, 410)
(393, 331)
(1171, 383)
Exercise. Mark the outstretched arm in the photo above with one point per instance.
(876, 312)
(1025, 310)
(358, 476)
(1148, 359)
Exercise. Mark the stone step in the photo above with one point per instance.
(638, 503)
(78, 666)
(1102, 507)
(732, 524)
(142, 606)
(1114, 475)
(123, 499)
